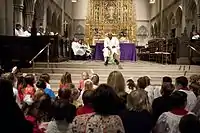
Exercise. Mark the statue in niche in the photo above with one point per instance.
(111, 11)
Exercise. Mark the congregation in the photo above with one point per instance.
(29, 105)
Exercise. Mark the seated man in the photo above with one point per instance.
(111, 50)
(78, 49)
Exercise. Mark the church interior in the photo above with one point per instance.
(142, 54)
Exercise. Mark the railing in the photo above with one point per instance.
(33, 59)
(189, 67)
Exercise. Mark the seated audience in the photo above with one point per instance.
(117, 82)
(168, 122)
(105, 104)
(46, 78)
(13, 120)
(162, 104)
(189, 124)
(95, 80)
(65, 80)
(157, 93)
(20, 86)
(87, 102)
(149, 89)
(41, 85)
(182, 85)
(137, 118)
(63, 113)
(130, 86)
(84, 77)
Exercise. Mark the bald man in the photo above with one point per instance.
(111, 50)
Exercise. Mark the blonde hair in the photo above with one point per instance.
(138, 100)
(88, 85)
(116, 81)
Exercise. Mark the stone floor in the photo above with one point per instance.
(131, 69)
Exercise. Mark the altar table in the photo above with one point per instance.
(128, 51)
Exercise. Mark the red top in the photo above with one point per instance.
(81, 84)
(34, 122)
(84, 110)
(20, 93)
(63, 86)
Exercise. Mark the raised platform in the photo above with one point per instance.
(140, 68)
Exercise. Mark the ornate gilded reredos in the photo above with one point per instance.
(110, 16)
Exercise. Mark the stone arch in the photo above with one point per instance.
(28, 12)
(39, 12)
(49, 19)
(192, 14)
(54, 22)
(179, 15)
(142, 31)
(59, 23)
(155, 29)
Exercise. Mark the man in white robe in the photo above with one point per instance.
(111, 50)
(19, 31)
(27, 33)
(77, 48)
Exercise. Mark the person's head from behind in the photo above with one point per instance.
(61, 111)
(195, 87)
(137, 100)
(29, 80)
(95, 79)
(66, 78)
(194, 78)
(41, 84)
(12, 78)
(105, 100)
(147, 80)
(87, 97)
(6, 92)
(178, 99)
(116, 81)
(189, 124)
(85, 75)
(181, 82)
(141, 83)
(167, 79)
(18, 26)
(167, 88)
(45, 77)
(65, 93)
(88, 85)
(33, 109)
(20, 80)
(131, 84)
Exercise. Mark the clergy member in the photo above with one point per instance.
(28, 32)
(19, 31)
(77, 48)
(111, 50)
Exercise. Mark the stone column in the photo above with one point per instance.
(63, 17)
(184, 16)
(9, 18)
(28, 18)
(2, 17)
(18, 9)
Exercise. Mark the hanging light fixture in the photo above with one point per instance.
(74, 1)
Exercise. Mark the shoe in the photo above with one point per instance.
(106, 63)
(120, 67)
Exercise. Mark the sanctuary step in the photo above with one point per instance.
(135, 70)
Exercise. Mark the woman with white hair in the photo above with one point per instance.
(137, 117)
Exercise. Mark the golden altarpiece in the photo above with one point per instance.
(116, 16)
